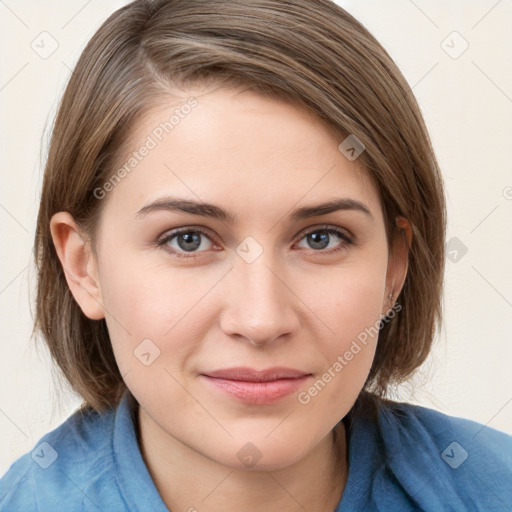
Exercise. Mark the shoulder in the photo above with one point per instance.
(69, 462)
(441, 459)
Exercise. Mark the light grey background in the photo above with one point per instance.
(466, 99)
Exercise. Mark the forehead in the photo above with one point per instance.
(236, 148)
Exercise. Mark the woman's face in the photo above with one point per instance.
(257, 282)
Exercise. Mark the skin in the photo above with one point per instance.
(295, 306)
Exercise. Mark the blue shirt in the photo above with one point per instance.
(413, 458)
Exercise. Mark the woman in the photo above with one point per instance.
(240, 247)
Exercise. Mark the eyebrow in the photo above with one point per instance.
(216, 212)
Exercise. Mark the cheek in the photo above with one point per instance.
(350, 306)
(359, 305)
(349, 298)
(144, 302)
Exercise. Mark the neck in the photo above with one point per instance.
(187, 480)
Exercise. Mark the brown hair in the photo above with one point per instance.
(311, 52)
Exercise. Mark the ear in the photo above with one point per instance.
(79, 264)
(398, 261)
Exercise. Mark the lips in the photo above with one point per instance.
(254, 386)
(251, 375)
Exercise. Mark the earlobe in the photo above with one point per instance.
(79, 264)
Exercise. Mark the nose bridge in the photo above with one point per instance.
(261, 307)
(259, 281)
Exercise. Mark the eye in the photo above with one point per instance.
(187, 240)
(320, 238)
(190, 240)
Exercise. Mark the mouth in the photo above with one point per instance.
(254, 386)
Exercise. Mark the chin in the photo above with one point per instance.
(257, 453)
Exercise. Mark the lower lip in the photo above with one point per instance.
(258, 393)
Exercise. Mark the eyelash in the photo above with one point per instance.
(166, 237)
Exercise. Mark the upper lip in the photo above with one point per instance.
(252, 375)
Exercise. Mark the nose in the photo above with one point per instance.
(260, 306)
